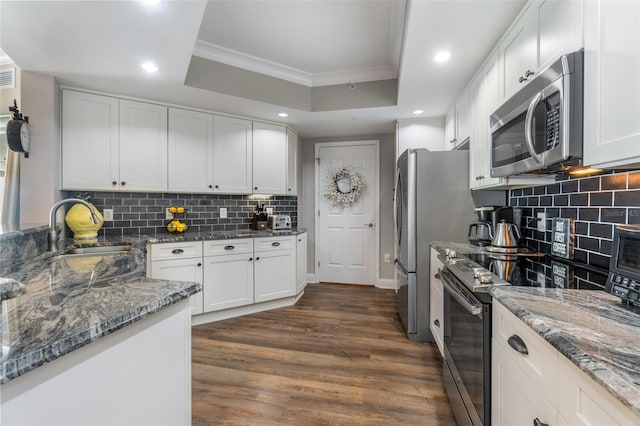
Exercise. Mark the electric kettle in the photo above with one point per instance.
(506, 237)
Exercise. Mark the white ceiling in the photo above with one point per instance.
(99, 46)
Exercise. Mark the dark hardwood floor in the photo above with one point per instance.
(339, 357)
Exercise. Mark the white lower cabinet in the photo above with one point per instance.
(228, 281)
(234, 273)
(186, 266)
(301, 262)
(542, 384)
(436, 302)
(274, 269)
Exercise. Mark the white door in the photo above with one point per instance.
(346, 243)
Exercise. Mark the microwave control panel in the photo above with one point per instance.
(626, 288)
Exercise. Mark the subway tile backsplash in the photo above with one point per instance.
(596, 203)
(144, 213)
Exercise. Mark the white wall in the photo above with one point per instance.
(40, 174)
(306, 199)
(427, 132)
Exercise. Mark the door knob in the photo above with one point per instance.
(370, 225)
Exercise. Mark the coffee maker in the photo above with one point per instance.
(481, 232)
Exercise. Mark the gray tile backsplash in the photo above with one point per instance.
(144, 213)
(596, 203)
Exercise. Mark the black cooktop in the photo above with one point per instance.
(547, 271)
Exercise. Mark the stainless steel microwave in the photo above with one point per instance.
(624, 267)
(539, 129)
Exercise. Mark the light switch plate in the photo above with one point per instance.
(223, 212)
(107, 214)
(269, 210)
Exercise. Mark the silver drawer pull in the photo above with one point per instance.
(276, 244)
(436, 323)
(229, 247)
(517, 344)
(537, 422)
(177, 251)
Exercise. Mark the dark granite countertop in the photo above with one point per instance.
(589, 327)
(54, 306)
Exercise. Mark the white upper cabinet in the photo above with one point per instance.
(269, 159)
(419, 133)
(232, 155)
(612, 86)
(457, 121)
(190, 160)
(545, 30)
(89, 132)
(292, 162)
(143, 146)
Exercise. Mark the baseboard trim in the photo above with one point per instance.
(244, 310)
(386, 284)
(311, 278)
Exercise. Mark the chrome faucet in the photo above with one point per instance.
(53, 232)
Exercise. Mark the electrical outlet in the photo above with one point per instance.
(540, 277)
(387, 258)
(107, 214)
(167, 215)
(542, 222)
(223, 212)
(269, 210)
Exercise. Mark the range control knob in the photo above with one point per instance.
(478, 271)
(486, 278)
(450, 253)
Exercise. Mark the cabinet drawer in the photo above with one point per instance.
(275, 243)
(540, 364)
(168, 251)
(225, 247)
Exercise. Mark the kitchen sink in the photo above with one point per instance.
(121, 249)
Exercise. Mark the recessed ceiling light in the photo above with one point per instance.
(442, 56)
(149, 67)
(283, 115)
(418, 112)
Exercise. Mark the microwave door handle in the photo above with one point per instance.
(528, 132)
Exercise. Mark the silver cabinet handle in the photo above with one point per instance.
(517, 344)
(229, 247)
(199, 264)
(522, 79)
(275, 244)
(250, 259)
(528, 73)
(177, 251)
(437, 323)
(537, 422)
(437, 276)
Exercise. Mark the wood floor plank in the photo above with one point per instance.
(339, 357)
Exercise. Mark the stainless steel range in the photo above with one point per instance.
(467, 353)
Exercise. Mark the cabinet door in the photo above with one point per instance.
(143, 146)
(181, 270)
(275, 275)
(436, 312)
(583, 402)
(559, 29)
(478, 147)
(514, 398)
(89, 141)
(190, 160)
(232, 155)
(450, 129)
(518, 53)
(292, 162)
(228, 281)
(301, 262)
(463, 122)
(269, 159)
(612, 86)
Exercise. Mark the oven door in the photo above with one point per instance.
(468, 353)
(531, 135)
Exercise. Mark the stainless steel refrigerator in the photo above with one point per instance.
(433, 202)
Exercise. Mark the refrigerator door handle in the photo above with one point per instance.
(397, 215)
(400, 268)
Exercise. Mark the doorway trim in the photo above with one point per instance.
(376, 188)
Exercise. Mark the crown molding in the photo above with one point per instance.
(234, 58)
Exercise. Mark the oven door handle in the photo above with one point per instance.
(528, 132)
(473, 309)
